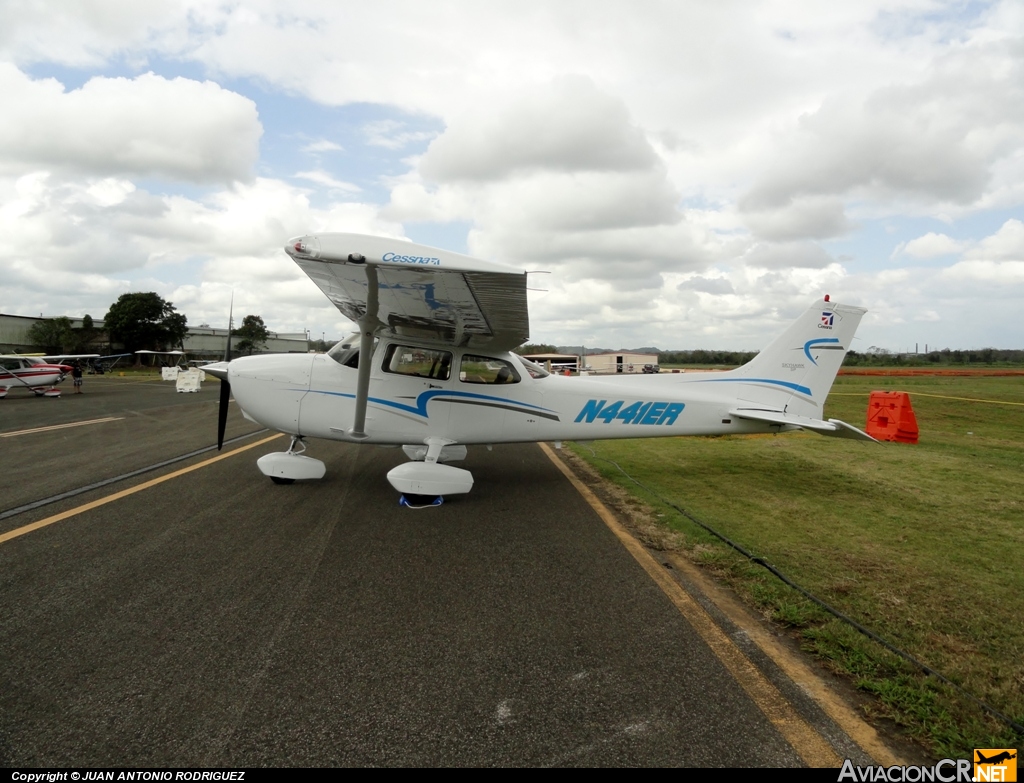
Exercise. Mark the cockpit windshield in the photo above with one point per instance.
(535, 370)
(346, 352)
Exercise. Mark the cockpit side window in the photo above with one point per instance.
(486, 369)
(419, 362)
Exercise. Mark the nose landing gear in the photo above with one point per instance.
(285, 467)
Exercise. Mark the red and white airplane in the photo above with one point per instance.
(40, 374)
(431, 370)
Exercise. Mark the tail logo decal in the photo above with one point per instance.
(822, 343)
(827, 320)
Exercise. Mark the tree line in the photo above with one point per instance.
(139, 321)
(879, 357)
(147, 321)
(700, 356)
(874, 357)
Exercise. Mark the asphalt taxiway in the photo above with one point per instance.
(200, 615)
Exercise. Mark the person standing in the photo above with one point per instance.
(76, 376)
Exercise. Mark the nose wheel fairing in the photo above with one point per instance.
(284, 467)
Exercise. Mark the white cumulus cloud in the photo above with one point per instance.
(566, 125)
(145, 126)
(930, 245)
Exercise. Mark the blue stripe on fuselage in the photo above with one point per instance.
(420, 409)
(794, 386)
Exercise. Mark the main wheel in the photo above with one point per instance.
(282, 480)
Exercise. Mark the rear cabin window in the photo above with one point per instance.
(419, 362)
(484, 369)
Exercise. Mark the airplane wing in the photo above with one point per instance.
(59, 357)
(833, 427)
(421, 291)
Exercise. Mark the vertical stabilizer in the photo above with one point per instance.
(795, 372)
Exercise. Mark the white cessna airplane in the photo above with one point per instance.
(430, 370)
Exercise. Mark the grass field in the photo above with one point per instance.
(922, 544)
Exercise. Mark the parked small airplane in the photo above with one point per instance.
(431, 370)
(997, 758)
(103, 364)
(31, 372)
(178, 357)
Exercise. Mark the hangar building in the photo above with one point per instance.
(619, 362)
(201, 342)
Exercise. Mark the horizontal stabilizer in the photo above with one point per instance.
(833, 427)
(845, 430)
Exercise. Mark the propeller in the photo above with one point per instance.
(222, 414)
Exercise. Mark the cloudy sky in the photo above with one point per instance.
(679, 174)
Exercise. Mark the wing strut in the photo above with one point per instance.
(367, 328)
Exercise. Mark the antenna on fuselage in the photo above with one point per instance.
(231, 316)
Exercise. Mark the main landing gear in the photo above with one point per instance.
(430, 478)
(284, 467)
(422, 482)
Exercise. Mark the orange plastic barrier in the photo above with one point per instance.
(890, 417)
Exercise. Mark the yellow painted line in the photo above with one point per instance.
(60, 426)
(808, 743)
(794, 667)
(126, 492)
(965, 399)
(936, 396)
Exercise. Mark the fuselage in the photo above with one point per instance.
(30, 372)
(472, 396)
